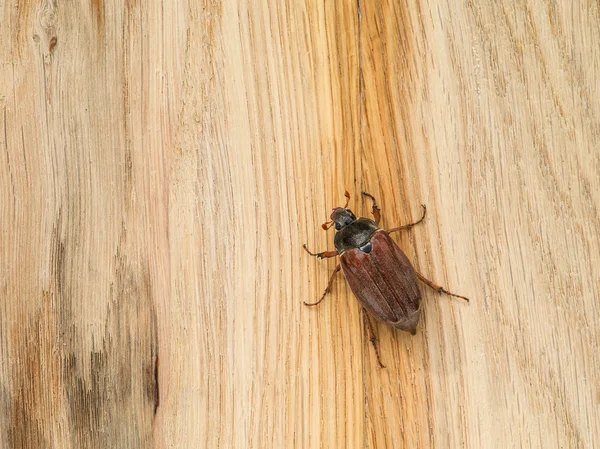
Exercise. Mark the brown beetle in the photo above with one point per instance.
(377, 270)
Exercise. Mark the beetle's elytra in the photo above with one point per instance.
(377, 270)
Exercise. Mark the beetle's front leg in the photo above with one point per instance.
(375, 210)
(323, 255)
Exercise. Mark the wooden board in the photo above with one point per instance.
(162, 164)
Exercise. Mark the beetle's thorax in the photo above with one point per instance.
(356, 234)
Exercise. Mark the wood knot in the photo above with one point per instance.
(48, 18)
(52, 44)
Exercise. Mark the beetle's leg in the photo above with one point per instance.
(323, 255)
(375, 210)
(327, 289)
(408, 226)
(439, 288)
(371, 335)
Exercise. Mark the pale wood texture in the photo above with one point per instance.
(162, 164)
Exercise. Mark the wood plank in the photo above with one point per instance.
(79, 289)
(163, 163)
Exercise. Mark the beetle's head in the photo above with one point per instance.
(340, 217)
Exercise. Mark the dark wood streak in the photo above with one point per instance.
(107, 391)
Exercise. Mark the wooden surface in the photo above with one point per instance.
(162, 164)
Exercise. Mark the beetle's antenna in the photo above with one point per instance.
(327, 225)
(347, 195)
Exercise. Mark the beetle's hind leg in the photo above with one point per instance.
(410, 225)
(375, 210)
(327, 289)
(371, 336)
(323, 255)
(439, 288)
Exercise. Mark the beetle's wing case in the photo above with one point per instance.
(385, 282)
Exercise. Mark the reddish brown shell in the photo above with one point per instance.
(385, 282)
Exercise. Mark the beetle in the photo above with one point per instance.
(377, 270)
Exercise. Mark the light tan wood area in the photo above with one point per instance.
(162, 164)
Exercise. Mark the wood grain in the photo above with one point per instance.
(162, 164)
